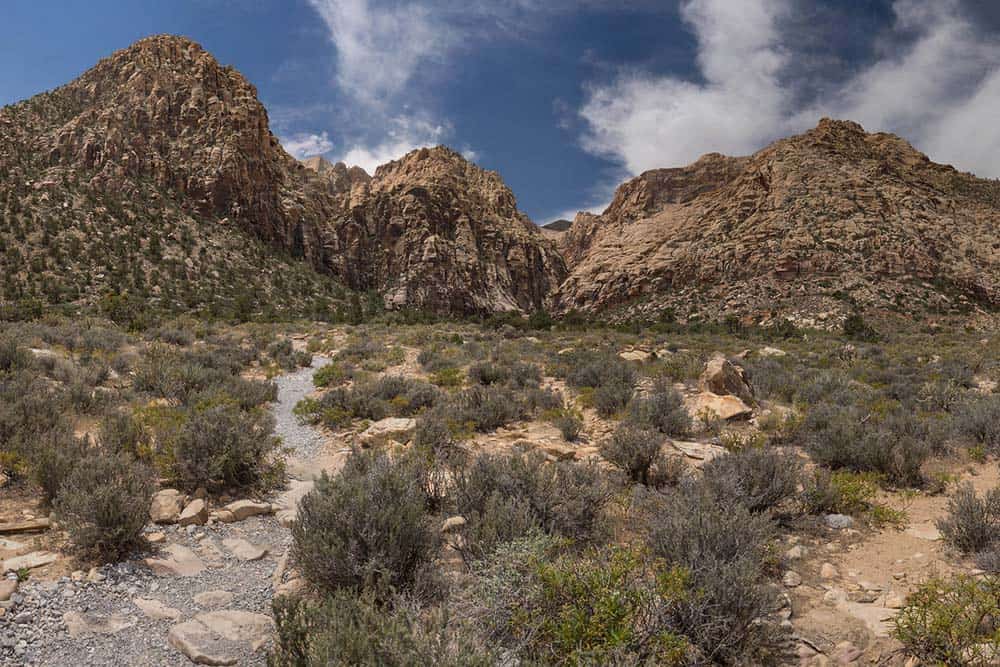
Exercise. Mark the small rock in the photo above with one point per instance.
(195, 514)
(94, 575)
(79, 625)
(828, 571)
(213, 599)
(244, 509)
(634, 355)
(792, 579)
(222, 516)
(290, 587)
(157, 610)
(451, 523)
(390, 428)
(838, 521)
(7, 588)
(166, 506)
(845, 653)
(244, 550)
(156, 538)
(796, 552)
(726, 408)
(180, 561)
(895, 601)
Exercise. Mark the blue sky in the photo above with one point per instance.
(565, 98)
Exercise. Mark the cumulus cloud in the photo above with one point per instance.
(307, 145)
(403, 135)
(937, 77)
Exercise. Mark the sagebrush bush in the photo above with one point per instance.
(569, 422)
(53, 456)
(221, 447)
(121, 432)
(346, 629)
(611, 378)
(979, 420)
(13, 357)
(759, 479)
(726, 549)
(487, 408)
(846, 492)
(972, 523)
(635, 450)
(505, 497)
(104, 505)
(366, 528)
(952, 621)
(662, 409)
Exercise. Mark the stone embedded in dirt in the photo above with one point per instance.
(244, 550)
(924, 532)
(838, 521)
(194, 514)
(700, 451)
(845, 653)
(725, 378)
(828, 571)
(244, 509)
(29, 561)
(7, 588)
(156, 538)
(156, 610)
(391, 428)
(222, 516)
(634, 355)
(796, 552)
(291, 587)
(451, 523)
(792, 579)
(560, 452)
(10, 548)
(213, 599)
(218, 637)
(895, 600)
(726, 408)
(180, 562)
(82, 624)
(771, 352)
(167, 506)
(26, 526)
(288, 502)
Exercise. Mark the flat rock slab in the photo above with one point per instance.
(29, 561)
(10, 548)
(180, 562)
(219, 637)
(244, 509)
(699, 451)
(7, 588)
(925, 531)
(244, 550)
(27, 526)
(156, 610)
(213, 599)
(81, 625)
(390, 428)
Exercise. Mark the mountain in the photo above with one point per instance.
(820, 223)
(156, 172)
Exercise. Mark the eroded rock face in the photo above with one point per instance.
(807, 220)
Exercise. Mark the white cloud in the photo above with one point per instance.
(936, 82)
(646, 122)
(404, 134)
(307, 145)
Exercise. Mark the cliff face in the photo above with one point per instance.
(164, 117)
(834, 214)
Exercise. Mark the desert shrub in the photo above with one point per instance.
(856, 328)
(568, 421)
(104, 504)
(952, 621)
(284, 354)
(846, 492)
(487, 408)
(661, 410)
(832, 387)
(771, 378)
(612, 379)
(331, 375)
(345, 629)
(406, 395)
(894, 445)
(757, 478)
(366, 528)
(543, 399)
(635, 450)
(487, 373)
(434, 436)
(505, 497)
(972, 523)
(979, 420)
(726, 549)
(53, 456)
(611, 398)
(606, 607)
(13, 357)
(220, 447)
(120, 432)
(174, 336)
(246, 393)
(377, 399)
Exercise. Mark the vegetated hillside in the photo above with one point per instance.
(156, 172)
(818, 223)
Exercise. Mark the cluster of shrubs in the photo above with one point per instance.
(385, 396)
(607, 379)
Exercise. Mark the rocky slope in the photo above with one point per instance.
(819, 222)
(161, 130)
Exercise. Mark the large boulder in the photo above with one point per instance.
(725, 378)
(726, 408)
(167, 506)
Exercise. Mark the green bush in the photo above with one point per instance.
(332, 374)
(662, 410)
(104, 505)
(972, 523)
(54, 455)
(607, 607)
(487, 408)
(13, 357)
(569, 422)
(634, 450)
(121, 432)
(366, 528)
(846, 492)
(344, 629)
(756, 478)
(952, 622)
(220, 447)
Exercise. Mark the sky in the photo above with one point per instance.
(565, 98)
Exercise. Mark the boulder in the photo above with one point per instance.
(218, 637)
(634, 355)
(167, 506)
(195, 514)
(392, 428)
(724, 407)
(725, 378)
(699, 451)
(244, 509)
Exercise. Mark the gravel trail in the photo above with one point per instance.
(34, 632)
